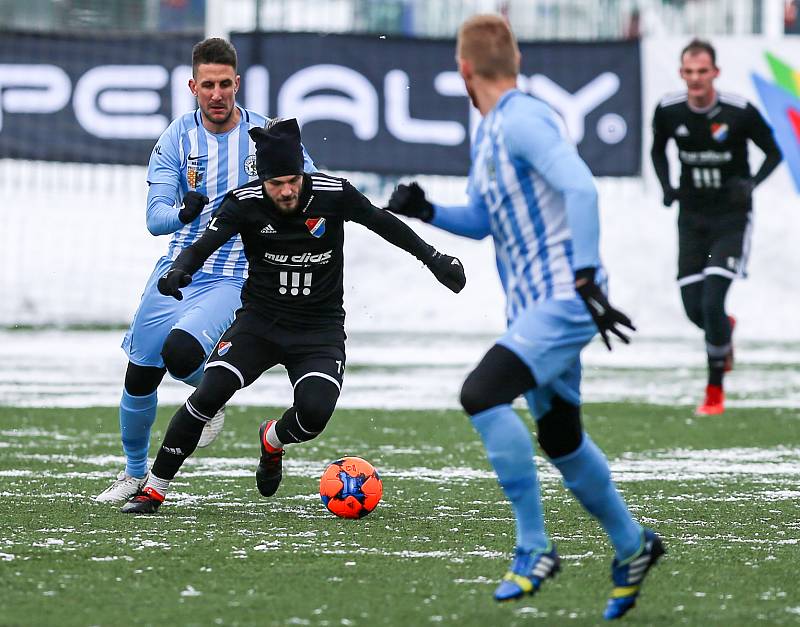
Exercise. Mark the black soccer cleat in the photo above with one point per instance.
(270, 467)
(146, 502)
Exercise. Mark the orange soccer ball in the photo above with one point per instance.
(350, 487)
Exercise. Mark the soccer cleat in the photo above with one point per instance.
(146, 502)
(714, 404)
(270, 466)
(212, 429)
(123, 488)
(527, 572)
(628, 576)
(729, 356)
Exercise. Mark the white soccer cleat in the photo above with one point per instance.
(212, 429)
(124, 488)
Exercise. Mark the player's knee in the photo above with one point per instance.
(474, 396)
(559, 431)
(182, 354)
(315, 401)
(142, 380)
(694, 311)
(499, 378)
(216, 388)
(692, 298)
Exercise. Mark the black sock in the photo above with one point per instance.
(180, 442)
(715, 374)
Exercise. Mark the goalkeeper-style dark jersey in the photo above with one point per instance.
(712, 146)
(296, 261)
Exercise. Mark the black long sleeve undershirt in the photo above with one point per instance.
(658, 153)
(394, 231)
(772, 157)
(379, 221)
(192, 258)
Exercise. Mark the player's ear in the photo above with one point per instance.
(236, 82)
(193, 86)
(464, 67)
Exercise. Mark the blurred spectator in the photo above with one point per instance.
(182, 15)
(633, 26)
(791, 25)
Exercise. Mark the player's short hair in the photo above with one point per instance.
(213, 50)
(699, 46)
(488, 43)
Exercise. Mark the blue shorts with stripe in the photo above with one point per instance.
(207, 309)
(548, 337)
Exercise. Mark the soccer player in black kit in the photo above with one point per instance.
(291, 225)
(711, 130)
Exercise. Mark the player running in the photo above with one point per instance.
(292, 226)
(533, 194)
(711, 130)
(199, 158)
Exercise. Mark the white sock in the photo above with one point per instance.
(158, 484)
(272, 437)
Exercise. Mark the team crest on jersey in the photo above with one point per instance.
(316, 226)
(719, 131)
(250, 165)
(223, 347)
(195, 172)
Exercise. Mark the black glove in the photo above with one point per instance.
(740, 190)
(193, 204)
(448, 270)
(409, 200)
(604, 315)
(670, 196)
(172, 281)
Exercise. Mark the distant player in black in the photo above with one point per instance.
(711, 130)
(292, 227)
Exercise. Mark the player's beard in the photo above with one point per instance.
(287, 207)
(212, 115)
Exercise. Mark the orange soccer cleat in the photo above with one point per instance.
(714, 403)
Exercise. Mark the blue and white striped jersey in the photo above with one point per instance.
(189, 157)
(531, 191)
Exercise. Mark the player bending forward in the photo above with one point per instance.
(200, 157)
(292, 226)
(531, 192)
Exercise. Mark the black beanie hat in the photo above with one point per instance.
(278, 149)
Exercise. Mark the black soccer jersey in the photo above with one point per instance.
(296, 261)
(712, 145)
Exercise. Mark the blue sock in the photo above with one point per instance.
(510, 451)
(587, 475)
(194, 378)
(136, 416)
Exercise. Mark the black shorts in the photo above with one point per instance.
(712, 243)
(253, 345)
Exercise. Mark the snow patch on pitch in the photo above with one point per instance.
(761, 466)
(400, 370)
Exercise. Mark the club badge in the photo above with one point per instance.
(250, 165)
(223, 347)
(719, 131)
(316, 226)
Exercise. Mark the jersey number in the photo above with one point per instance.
(291, 283)
(706, 178)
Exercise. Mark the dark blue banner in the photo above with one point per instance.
(90, 98)
(390, 105)
(398, 106)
